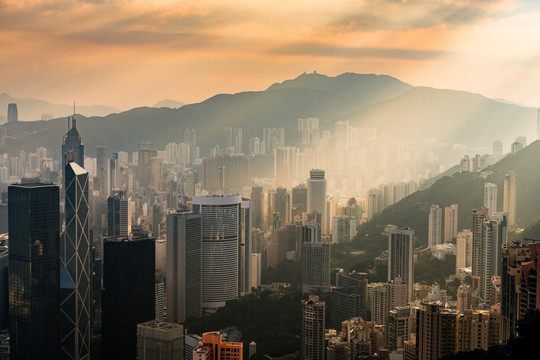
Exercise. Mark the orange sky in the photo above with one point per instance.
(131, 53)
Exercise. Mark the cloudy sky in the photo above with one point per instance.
(130, 53)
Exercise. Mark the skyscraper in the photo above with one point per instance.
(490, 197)
(299, 200)
(101, 170)
(497, 149)
(34, 270)
(464, 250)
(222, 235)
(118, 214)
(257, 201)
(72, 148)
(75, 269)
(494, 235)
(282, 205)
(315, 265)
(401, 257)
(313, 326)
(510, 196)
(184, 266)
(479, 216)
(13, 113)
(128, 293)
(316, 196)
(434, 225)
(450, 222)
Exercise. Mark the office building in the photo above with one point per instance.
(75, 271)
(434, 226)
(401, 257)
(282, 205)
(191, 341)
(128, 293)
(464, 249)
(510, 197)
(212, 347)
(144, 163)
(12, 113)
(450, 222)
(184, 266)
(226, 239)
(159, 302)
(312, 329)
(160, 340)
(118, 214)
(34, 270)
(316, 196)
(490, 197)
(315, 266)
(72, 148)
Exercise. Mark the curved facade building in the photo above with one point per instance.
(223, 247)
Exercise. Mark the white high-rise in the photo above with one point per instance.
(490, 197)
(226, 246)
(510, 196)
(434, 225)
(316, 196)
(450, 222)
(464, 242)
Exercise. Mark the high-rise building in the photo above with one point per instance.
(257, 203)
(434, 225)
(315, 265)
(75, 272)
(282, 205)
(191, 341)
(184, 266)
(494, 235)
(313, 326)
(497, 149)
(159, 302)
(510, 196)
(128, 293)
(464, 249)
(299, 201)
(478, 329)
(450, 222)
(160, 340)
(225, 242)
(212, 347)
(399, 327)
(101, 170)
(343, 229)
(437, 330)
(144, 163)
(479, 216)
(316, 196)
(528, 297)
(12, 113)
(386, 297)
(225, 174)
(72, 147)
(464, 297)
(349, 298)
(34, 270)
(118, 214)
(490, 197)
(401, 257)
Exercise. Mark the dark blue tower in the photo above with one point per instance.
(72, 147)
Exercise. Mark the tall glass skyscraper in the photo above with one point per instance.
(34, 270)
(75, 269)
(72, 147)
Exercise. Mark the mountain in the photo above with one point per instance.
(32, 109)
(465, 189)
(450, 116)
(173, 104)
(364, 100)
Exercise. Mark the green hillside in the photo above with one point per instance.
(465, 189)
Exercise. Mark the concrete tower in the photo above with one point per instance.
(401, 257)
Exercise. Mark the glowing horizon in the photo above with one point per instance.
(134, 53)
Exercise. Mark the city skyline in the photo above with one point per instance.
(191, 51)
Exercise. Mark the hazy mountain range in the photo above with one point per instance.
(366, 100)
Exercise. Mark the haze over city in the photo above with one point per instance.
(292, 180)
(133, 53)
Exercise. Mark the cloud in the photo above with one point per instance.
(320, 49)
(394, 15)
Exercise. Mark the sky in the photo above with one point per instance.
(131, 53)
